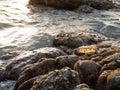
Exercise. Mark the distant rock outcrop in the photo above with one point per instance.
(73, 4)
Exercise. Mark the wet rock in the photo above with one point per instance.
(82, 86)
(65, 4)
(111, 66)
(88, 71)
(85, 9)
(73, 40)
(39, 68)
(113, 80)
(46, 65)
(67, 39)
(68, 60)
(86, 50)
(73, 4)
(109, 80)
(67, 50)
(64, 79)
(16, 65)
(7, 85)
(10, 55)
(109, 59)
(102, 80)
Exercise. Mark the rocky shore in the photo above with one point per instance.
(69, 60)
(64, 66)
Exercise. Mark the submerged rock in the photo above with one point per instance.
(7, 85)
(64, 79)
(73, 4)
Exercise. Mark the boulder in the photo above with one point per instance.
(113, 80)
(109, 80)
(46, 65)
(19, 63)
(73, 4)
(64, 79)
(111, 66)
(88, 71)
(73, 40)
(102, 80)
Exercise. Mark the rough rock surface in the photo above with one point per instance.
(73, 4)
(88, 71)
(110, 79)
(64, 79)
(17, 64)
(73, 40)
(46, 65)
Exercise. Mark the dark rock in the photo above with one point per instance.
(109, 80)
(111, 66)
(46, 65)
(40, 68)
(16, 65)
(64, 79)
(68, 60)
(67, 39)
(7, 85)
(67, 50)
(109, 59)
(73, 4)
(85, 9)
(73, 40)
(102, 80)
(113, 80)
(88, 71)
(64, 4)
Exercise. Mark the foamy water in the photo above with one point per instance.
(28, 27)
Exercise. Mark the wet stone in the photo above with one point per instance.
(17, 64)
(64, 79)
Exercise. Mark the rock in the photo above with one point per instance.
(102, 80)
(84, 9)
(64, 79)
(65, 4)
(67, 39)
(109, 59)
(16, 65)
(113, 80)
(86, 50)
(40, 68)
(46, 65)
(88, 71)
(73, 40)
(109, 80)
(67, 50)
(111, 66)
(7, 85)
(82, 86)
(73, 4)
(68, 60)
